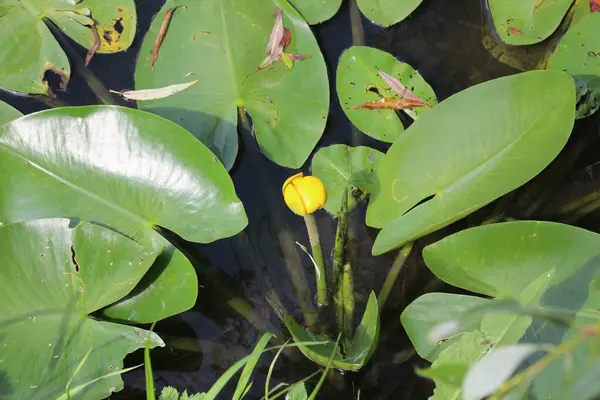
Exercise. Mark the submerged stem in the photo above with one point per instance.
(392, 275)
(317, 253)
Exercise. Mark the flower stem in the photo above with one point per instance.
(392, 275)
(317, 253)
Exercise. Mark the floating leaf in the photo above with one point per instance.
(402, 90)
(360, 350)
(154, 94)
(359, 82)
(129, 170)
(578, 53)
(65, 275)
(223, 42)
(461, 164)
(489, 373)
(387, 12)
(317, 11)
(340, 167)
(8, 113)
(29, 50)
(522, 22)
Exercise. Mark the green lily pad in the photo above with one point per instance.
(523, 22)
(29, 50)
(53, 277)
(8, 113)
(317, 11)
(364, 341)
(539, 264)
(127, 169)
(358, 82)
(222, 43)
(387, 12)
(460, 164)
(340, 167)
(578, 53)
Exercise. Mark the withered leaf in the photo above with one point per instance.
(280, 38)
(390, 103)
(595, 5)
(153, 94)
(95, 44)
(403, 91)
(162, 32)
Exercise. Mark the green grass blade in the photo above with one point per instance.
(150, 395)
(249, 368)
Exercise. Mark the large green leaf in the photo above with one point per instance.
(540, 264)
(29, 50)
(578, 53)
(8, 113)
(340, 167)
(387, 12)
(223, 42)
(52, 277)
(127, 169)
(317, 11)
(364, 341)
(357, 80)
(522, 22)
(469, 150)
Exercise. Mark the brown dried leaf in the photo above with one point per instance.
(95, 44)
(390, 103)
(162, 32)
(594, 5)
(402, 90)
(276, 43)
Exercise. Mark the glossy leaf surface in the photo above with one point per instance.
(340, 167)
(387, 12)
(516, 126)
(222, 43)
(359, 82)
(53, 276)
(29, 50)
(522, 22)
(317, 11)
(360, 350)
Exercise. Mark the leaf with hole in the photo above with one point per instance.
(342, 167)
(223, 43)
(65, 274)
(516, 126)
(362, 346)
(523, 22)
(359, 82)
(29, 50)
(127, 169)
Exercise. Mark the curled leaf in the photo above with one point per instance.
(95, 44)
(153, 94)
(594, 5)
(402, 90)
(277, 41)
(162, 32)
(390, 103)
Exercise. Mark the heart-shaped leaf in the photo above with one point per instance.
(29, 50)
(342, 167)
(387, 12)
(52, 278)
(359, 82)
(578, 53)
(8, 113)
(460, 164)
(317, 11)
(127, 169)
(361, 348)
(222, 43)
(522, 22)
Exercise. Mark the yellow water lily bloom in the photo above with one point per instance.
(304, 194)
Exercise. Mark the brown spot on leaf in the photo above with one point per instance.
(514, 31)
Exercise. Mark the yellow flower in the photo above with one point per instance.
(304, 194)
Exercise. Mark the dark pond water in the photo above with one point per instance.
(442, 40)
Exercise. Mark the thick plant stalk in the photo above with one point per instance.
(392, 275)
(317, 254)
(342, 277)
